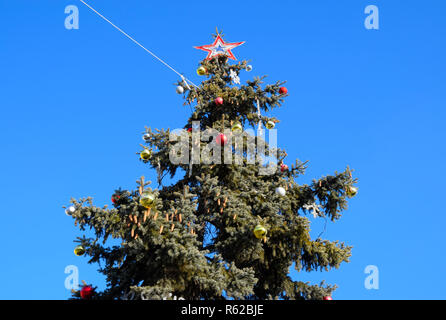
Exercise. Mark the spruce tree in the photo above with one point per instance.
(219, 231)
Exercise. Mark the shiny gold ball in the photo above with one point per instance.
(237, 128)
(351, 191)
(260, 232)
(146, 154)
(147, 199)
(202, 71)
(270, 125)
(79, 251)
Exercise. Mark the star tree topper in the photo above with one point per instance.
(220, 47)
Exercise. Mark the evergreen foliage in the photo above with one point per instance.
(195, 240)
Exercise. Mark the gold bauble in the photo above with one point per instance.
(145, 154)
(270, 125)
(260, 232)
(202, 71)
(351, 191)
(79, 251)
(237, 127)
(147, 199)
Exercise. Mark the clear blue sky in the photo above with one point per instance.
(74, 104)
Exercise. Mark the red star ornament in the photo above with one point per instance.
(220, 47)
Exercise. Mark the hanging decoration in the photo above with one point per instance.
(70, 210)
(221, 139)
(145, 154)
(234, 77)
(259, 115)
(260, 232)
(270, 125)
(283, 90)
(147, 199)
(202, 71)
(219, 101)
(237, 128)
(281, 191)
(180, 90)
(351, 191)
(87, 292)
(115, 198)
(79, 251)
(314, 208)
(146, 137)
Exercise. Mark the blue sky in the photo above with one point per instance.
(74, 103)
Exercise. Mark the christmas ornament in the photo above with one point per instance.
(314, 208)
(234, 77)
(259, 115)
(146, 137)
(220, 47)
(79, 251)
(189, 130)
(202, 71)
(281, 191)
(237, 127)
(115, 198)
(70, 210)
(180, 90)
(219, 101)
(351, 191)
(221, 139)
(283, 90)
(249, 68)
(87, 292)
(260, 232)
(270, 125)
(146, 154)
(147, 199)
(328, 298)
(283, 167)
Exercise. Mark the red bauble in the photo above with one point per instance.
(189, 130)
(219, 101)
(328, 298)
(221, 139)
(115, 198)
(283, 90)
(87, 292)
(283, 167)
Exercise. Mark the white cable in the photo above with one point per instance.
(185, 82)
(147, 50)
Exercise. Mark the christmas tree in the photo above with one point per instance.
(235, 219)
